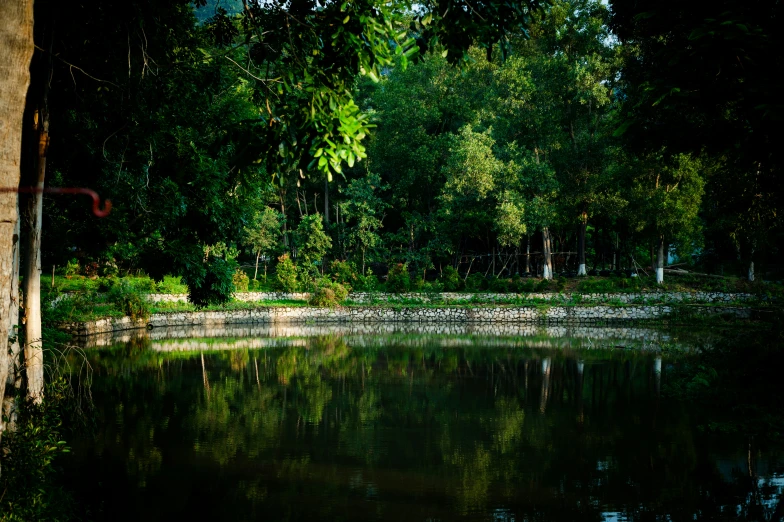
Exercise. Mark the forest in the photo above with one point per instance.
(564, 148)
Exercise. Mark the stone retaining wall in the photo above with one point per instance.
(596, 314)
(368, 297)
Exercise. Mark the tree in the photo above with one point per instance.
(16, 47)
(666, 199)
(366, 209)
(701, 80)
(263, 235)
(311, 240)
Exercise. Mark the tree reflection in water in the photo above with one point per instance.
(392, 430)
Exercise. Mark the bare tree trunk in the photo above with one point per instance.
(581, 245)
(34, 362)
(751, 265)
(256, 273)
(528, 254)
(16, 49)
(282, 196)
(660, 262)
(547, 264)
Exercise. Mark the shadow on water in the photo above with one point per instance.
(358, 424)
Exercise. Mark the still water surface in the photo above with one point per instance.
(338, 424)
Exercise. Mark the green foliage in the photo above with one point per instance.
(327, 294)
(263, 234)
(500, 284)
(476, 282)
(172, 285)
(311, 240)
(129, 300)
(398, 279)
(450, 279)
(212, 286)
(29, 480)
(72, 268)
(345, 273)
(240, 280)
(286, 274)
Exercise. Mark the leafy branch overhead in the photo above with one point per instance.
(304, 59)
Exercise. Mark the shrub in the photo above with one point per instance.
(500, 285)
(476, 282)
(128, 300)
(368, 282)
(525, 286)
(286, 274)
(240, 280)
(398, 280)
(345, 273)
(143, 284)
(214, 285)
(451, 279)
(29, 483)
(172, 285)
(72, 268)
(328, 294)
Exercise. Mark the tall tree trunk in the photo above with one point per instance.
(751, 264)
(660, 262)
(34, 175)
(528, 254)
(256, 273)
(547, 262)
(581, 271)
(16, 49)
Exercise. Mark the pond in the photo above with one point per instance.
(408, 423)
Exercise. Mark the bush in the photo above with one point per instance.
(286, 274)
(500, 285)
(128, 300)
(525, 286)
(214, 285)
(476, 282)
(28, 483)
(345, 273)
(172, 285)
(368, 282)
(72, 268)
(240, 280)
(328, 294)
(398, 280)
(143, 284)
(451, 279)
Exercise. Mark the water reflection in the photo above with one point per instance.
(354, 427)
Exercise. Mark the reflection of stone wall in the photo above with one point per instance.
(364, 297)
(495, 316)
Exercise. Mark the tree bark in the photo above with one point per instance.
(547, 262)
(14, 379)
(581, 271)
(528, 254)
(660, 262)
(16, 49)
(256, 273)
